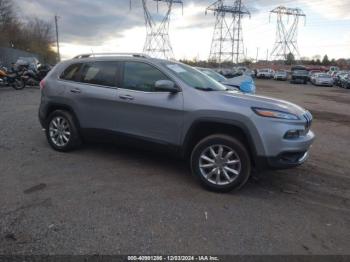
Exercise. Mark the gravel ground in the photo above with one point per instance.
(104, 199)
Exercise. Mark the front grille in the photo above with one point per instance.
(308, 118)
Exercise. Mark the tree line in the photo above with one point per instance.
(290, 60)
(32, 35)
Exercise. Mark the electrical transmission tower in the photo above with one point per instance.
(157, 42)
(287, 32)
(227, 43)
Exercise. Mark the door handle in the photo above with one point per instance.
(126, 97)
(75, 91)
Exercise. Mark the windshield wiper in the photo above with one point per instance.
(204, 88)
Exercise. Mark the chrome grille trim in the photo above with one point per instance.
(308, 118)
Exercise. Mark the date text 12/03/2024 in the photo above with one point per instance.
(173, 258)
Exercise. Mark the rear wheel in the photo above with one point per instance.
(221, 163)
(62, 132)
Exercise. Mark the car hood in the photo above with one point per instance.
(237, 98)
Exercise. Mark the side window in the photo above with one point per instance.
(100, 73)
(71, 72)
(141, 77)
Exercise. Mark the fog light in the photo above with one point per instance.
(292, 134)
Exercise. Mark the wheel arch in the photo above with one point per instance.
(205, 127)
(56, 106)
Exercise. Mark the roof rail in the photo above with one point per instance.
(111, 54)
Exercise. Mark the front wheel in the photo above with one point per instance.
(221, 163)
(18, 84)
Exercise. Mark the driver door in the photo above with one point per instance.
(144, 112)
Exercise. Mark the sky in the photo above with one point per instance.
(112, 26)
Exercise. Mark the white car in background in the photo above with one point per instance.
(322, 79)
(265, 73)
(281, 75)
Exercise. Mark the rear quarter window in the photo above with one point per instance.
(71, 72)
(102, 73)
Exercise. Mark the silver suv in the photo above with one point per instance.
(168, 105)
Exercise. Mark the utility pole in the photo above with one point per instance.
(239, 29)
(257, 54)
(267, 54)
(57, 39)
(227, 42)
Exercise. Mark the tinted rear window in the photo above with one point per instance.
(100, 73)
(71, 72)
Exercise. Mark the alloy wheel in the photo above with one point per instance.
(220, 165)
(59, 131)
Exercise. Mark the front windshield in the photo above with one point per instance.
(214, 75)
(194, 78)
(323, 75)
(301, 72)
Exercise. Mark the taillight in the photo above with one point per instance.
(42, 84)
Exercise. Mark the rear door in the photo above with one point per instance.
(144, 112)
(93, 94)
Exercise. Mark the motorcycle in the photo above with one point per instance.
(12, 79)
(33, 77)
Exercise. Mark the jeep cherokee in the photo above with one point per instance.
(132, 97)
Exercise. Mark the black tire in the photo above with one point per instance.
(231, 143)
(18, 84)
(74, 140)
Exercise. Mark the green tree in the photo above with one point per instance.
(290, 59)
(33, 35)
(325, 60)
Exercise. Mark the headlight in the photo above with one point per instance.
(275, 114)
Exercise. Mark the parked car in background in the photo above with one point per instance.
(228, 73)
(345, 81)
(265, 73)
(299, 67)
(322, 79)
(243, 70)
(281, 75)
(241, 83)
(312, 74)
(338, 76)
(300, 77)
(135, 99)
(245, 83)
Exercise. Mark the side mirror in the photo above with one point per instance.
(166, 86)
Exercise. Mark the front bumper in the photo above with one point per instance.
(279, 151)
(287, 160)
(324, 83)
(284, 160)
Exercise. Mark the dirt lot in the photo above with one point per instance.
(109, 200)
